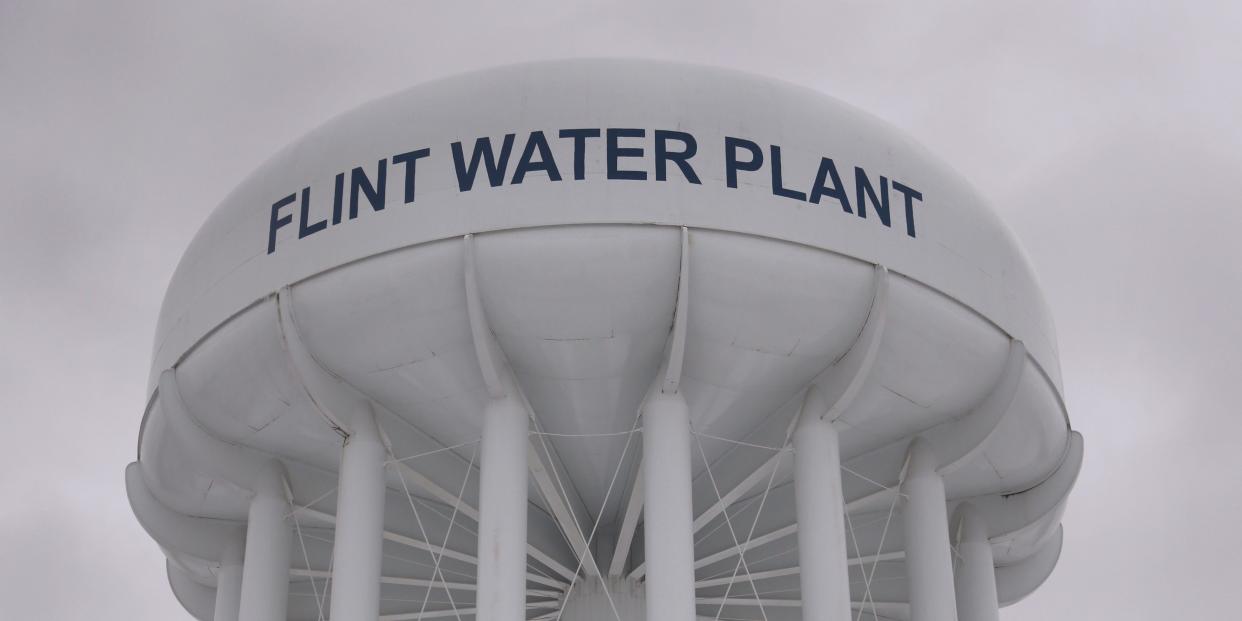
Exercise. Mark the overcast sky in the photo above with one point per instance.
(1108, 135)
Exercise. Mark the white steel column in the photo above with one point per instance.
(358, 548)
(269, 542)
(668, 513)
(229, 580)
(929, 568)
(502, 512)
(976, 570)
(822, 553)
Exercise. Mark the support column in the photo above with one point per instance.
(975, 577)
(822, 553)
(667, 510)
(229, 580)
(502, 512)
(929, 568)
(358, 548)
(269, 541)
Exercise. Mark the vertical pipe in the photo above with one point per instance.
(358, 547)
(929, 569)
(668, 513)
(229, 580)
(502, 512)
(269, 542)
(975, 577)
(820, 506)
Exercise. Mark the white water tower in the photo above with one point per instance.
(604, 340)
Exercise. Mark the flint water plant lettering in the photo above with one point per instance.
(629, 154)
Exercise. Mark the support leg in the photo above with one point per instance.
(358, 549)
(668, 512)
(502, 512)
(822, 553)
(975, 577)
(929, 569)
(229, 581)
(269, 542)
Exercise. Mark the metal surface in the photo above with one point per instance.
(358, 544)
(584, 365)
(822, 549)
(929, 567)
(975, 569)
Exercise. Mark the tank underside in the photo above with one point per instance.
(581, 324)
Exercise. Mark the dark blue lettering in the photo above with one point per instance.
(278, 221)
(579, 136)
(338, 198)
(375, 193)
(910, 195)
(778, 187)
(410, 159)
(826, 170)
(546, 163)
(303, 229)
(496, 166)
(616, 152)
(864, 191)
(681, 158)
(732, 165)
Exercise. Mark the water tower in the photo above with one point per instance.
(604, 340)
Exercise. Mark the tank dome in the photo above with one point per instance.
(958, 245)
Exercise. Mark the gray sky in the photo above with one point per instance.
(1108, 134)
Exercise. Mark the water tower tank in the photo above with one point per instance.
(604, 340)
